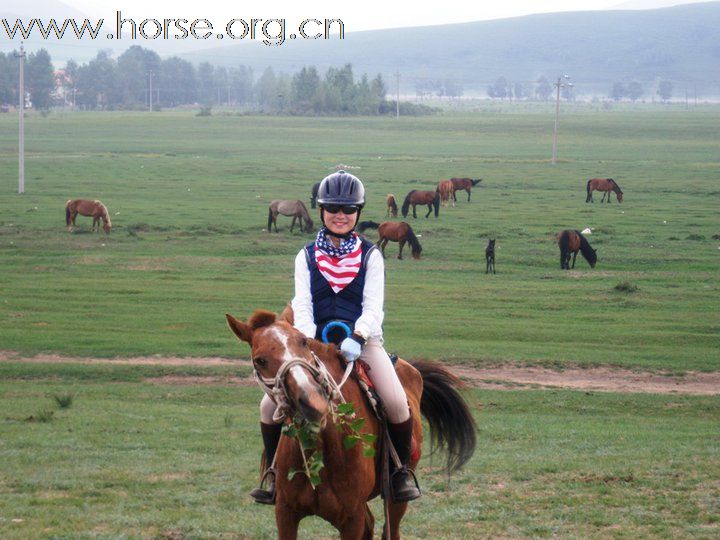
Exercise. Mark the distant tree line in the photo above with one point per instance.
(139, 77)
(634, 91)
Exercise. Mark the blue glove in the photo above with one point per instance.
(350, 349)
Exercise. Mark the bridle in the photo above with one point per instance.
(276, 387)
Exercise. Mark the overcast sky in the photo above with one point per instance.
(357, 15)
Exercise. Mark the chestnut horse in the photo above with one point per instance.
(603, 184)
(415, 197)
(570, 242)
(392, 209)
(395, 231)
(464, 184)
(307, 378)
(447, 191)
(94, 209)
(295, 209)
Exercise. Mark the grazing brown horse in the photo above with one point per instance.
(607, 185)
(415, 197)
(395, 231)
(304, 376)
(490, 257)
(94, 209)
(465, 184)
(570, 242)
(295, 209)
(392, 208)
(446, 190)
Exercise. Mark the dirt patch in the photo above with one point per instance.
(502, 377)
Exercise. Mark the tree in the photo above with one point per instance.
(241, 84)
(664, 90)
(206, 83)
(634, 91)
(501, 89)
(40, 79)
(544, 89)
(134, 68)
(618, 91)
(178, 82)
(8, 78)
(97, 83)
(306, 90)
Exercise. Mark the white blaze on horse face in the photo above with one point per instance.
(298, 373)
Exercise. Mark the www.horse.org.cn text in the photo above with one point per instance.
(272, 32)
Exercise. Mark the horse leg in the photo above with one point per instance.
(468, 194)
(574, 257)
(402, 245)
(382, 243)
(396, 511)
(414, 214)
(429, 211)
(287, 523)
(359, 526)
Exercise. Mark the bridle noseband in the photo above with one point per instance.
(276, 387)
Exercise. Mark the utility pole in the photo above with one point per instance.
(21, 113)
(558, 85)
(397, 93)
(151, 92)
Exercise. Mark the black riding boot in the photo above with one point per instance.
(271, 438)
(402, 481)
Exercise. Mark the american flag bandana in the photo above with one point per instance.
(338, 265)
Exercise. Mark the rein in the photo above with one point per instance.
(276, 388)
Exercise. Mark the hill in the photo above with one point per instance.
(679, 43)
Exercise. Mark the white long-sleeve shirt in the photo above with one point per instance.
(369, 325)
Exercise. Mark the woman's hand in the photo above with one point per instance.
(350, 349)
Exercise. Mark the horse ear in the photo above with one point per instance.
(288, 315)
(239, 328)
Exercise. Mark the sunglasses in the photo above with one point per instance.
(347, 209)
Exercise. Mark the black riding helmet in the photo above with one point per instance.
(341, 188)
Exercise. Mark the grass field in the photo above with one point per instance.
(188, 196)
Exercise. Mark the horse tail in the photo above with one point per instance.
(564, 241)
(406, 204)
(436, 204)
(393, 206)
(452, 426)
(587, 251)
(68, 212)
(270, 219)
(588, 188)
(414, 242)
(363, 225)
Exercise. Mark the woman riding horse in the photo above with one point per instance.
(341, 277)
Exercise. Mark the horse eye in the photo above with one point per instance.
(260, 361)
(304, 342)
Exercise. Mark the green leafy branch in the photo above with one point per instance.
(307, 433)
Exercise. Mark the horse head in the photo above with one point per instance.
(284, 364)
(309, 225)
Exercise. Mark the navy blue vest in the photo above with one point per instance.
(330, 306)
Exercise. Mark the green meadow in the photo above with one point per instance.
(136, 457)
(188, 198)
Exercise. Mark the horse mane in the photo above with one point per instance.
(261, 318)
(106, 214)
(406, 203)
(586, 250)
(616, 185)
(414, 242)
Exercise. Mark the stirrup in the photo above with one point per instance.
(265, 496)
(408, 491)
